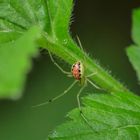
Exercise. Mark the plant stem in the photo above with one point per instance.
(69, 51)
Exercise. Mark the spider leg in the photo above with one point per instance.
(80, 44)
(58, 66)
(92, 83)
(90, 75)
(80, 109)
(57, 97)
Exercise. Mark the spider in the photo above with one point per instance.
(78, 72)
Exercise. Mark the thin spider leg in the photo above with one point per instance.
(90, 75)
(57, 97)
(57, 65)
(80, 109)
(92, 83)
(78, 98)
(80, 44)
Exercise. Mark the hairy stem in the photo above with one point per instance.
(69, 51)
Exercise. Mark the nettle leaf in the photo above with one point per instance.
(112, 116)
(133, 51)
(59, 16)
(15, 62)
(17, 44)
(50, 15)
(134, 56)
(16, 17)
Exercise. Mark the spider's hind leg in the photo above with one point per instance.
(58, 96)
(80, 109)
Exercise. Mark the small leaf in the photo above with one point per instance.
(136, 26)
(112, 117)
(15, 62)
(133, 53)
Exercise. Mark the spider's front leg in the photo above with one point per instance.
(58, 66)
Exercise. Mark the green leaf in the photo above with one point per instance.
(16, 17)
(59, 12)
(17, 45)
(23, 14)
(15, 62)
(52, 16)
(115, 116)
(136, 26)
(133, 53)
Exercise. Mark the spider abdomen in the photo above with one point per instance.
(77, 70)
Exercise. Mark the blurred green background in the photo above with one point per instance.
(104, 28)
